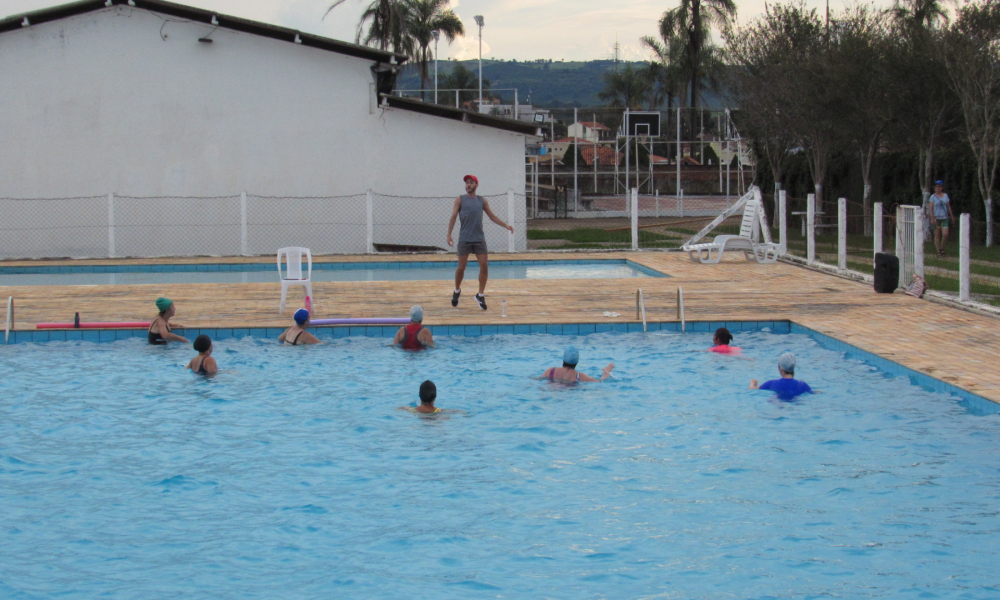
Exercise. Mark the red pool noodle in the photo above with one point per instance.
(109, 325)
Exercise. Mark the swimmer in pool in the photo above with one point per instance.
(428, 394)
(414, 336)
(159, 330)
(786, 388)
(203, 364)
(296, 335)
(568, 373)
(721, 342)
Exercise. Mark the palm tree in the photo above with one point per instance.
(692, 20)
(626, 88)
(426, 17)
(666, 69)
(919, 14)
(388, 25)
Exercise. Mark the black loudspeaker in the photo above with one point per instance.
(886, 273)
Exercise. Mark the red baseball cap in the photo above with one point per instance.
(472, 177)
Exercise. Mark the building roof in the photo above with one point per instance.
(570, 140)
(605, 155)
(458, 114)
(594, 125)
(190, 13)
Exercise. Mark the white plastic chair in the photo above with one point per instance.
(754, 223)
(293, 271)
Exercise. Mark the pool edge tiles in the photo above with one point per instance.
(317, 266)
(976, 403)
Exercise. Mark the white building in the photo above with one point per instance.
(152, 98)
(590, 131)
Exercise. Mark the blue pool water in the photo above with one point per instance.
(292, 474)
(364, 271)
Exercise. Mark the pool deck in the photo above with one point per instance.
(955, 346)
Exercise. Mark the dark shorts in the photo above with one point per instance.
(467, 248)
(942, 223)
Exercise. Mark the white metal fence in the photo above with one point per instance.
(243, 224)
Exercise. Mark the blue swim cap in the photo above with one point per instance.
(939, 182)
(301, 316)
(571, 356)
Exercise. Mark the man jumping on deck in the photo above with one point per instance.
(471, 239)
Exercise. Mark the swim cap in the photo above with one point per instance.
(202, 343)
(786, 362)
(571, 355)
(163, 304)
(301, 316)
(417, 313)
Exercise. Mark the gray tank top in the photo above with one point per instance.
(471, 216)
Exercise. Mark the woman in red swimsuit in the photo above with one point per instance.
(414, 336)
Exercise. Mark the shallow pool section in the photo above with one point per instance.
(322, 271)
(292, 474)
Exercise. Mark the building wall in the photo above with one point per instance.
(128, 102)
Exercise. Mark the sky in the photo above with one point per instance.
(514, 29)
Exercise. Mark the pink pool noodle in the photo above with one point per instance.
(109, 325)
(367, 321)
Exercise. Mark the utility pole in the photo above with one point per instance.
(479, 21)
(437, 36)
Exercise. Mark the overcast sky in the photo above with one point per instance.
(518, 29)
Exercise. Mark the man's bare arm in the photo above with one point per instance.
(494, 218)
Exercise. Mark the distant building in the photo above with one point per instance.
(590, 131)
(606, 156)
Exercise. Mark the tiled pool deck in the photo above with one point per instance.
(942, 348)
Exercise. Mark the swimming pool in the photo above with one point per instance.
(133, 274)
(292, 474)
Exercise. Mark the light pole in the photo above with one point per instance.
(479, 21)
(437, 36)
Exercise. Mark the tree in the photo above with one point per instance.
(388, 22)
(692, 21)
(461, 78)
(424, 18)
(926, 106)
(627, 87)
(667, 70)
(972, 48)
(865, 48)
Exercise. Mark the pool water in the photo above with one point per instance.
(364, 271)
(292, 474)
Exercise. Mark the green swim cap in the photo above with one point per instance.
(163, 304)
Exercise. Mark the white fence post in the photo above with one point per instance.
(244, 243)
(370, 224)
(877, 222)
(510, 219)
(900, 246)
(842, 234)
(782, 223)
(964, 279)
(635, 218)
(811, 227)
(680, 203)
(657, 204)
(111, 225)
(918, 242)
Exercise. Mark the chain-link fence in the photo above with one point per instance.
(43, 228)
(245, 224)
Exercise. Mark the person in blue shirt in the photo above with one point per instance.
(940, 213)
(786, 388)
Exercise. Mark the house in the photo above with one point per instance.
(591, 131)
(148, 98)
(560, 147)
(606, 156)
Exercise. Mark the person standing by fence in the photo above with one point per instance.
(471, 239)
(940, 209)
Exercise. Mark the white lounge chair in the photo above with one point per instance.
(753, 226)
(293, 271)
